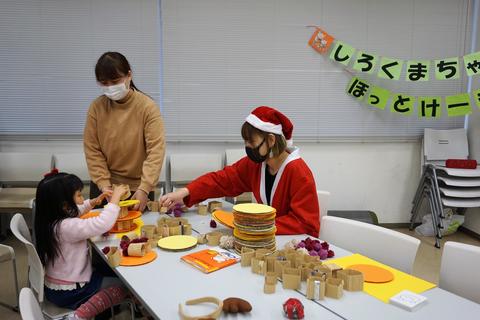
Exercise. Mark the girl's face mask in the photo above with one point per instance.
(254, 153)
(115, 92)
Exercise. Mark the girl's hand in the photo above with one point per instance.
(98, 200)
(118, 192)
(109, 191)
(171, 199)
(143, 197)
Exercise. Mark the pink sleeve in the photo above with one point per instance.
(76, 229)
(85, 207)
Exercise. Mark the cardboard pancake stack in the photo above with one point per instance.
(254, 226)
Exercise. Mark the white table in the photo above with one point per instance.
(164, 283)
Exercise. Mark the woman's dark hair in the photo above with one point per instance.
(248, 131)
(113, 65)
(54, 202)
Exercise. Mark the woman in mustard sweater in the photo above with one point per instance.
(124, 138)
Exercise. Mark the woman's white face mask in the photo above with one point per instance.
(115, 92)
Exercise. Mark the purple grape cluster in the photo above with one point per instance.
(316, 248)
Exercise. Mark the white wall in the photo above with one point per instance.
(379, 176)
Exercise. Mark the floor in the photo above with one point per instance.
(427, 266)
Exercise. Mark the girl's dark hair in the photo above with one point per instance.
(54, 202)
(248, 131)
(113, 65)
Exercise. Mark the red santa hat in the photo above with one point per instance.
(271, 120)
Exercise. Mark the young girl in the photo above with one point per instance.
(273, 170)
(61, 241)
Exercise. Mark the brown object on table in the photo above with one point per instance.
(270, 283)
(148, 230)
(334, 288)
(213, 238)
(202, 209)
(114, 257)
(236, 305)
(291, 278)
(163, 210)
(136, 249)
(246, 256)
(175, 230)
(316, 288)
(127, 193)
(259, 266)
(202, 239)
(153, 206)
(186, 229)
(333, 267)
(352, 279)
(213, 315)
(280, 265)
(212, 205)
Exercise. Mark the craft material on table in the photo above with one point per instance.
(373, 274)
(223, 217)
(408, 300)
(176, 243)
(236, 305)
(130, 222)
(254, 226)
(137, 261)
(384, 291)
(210, 260)
(213, 315)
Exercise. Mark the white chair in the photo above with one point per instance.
(7, 254)
(445, 187)
(458, 270)
(323, 199)
(384, 245)
(36, 272)
(29, 307)
(187, 167)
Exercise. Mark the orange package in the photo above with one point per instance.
(210, 260)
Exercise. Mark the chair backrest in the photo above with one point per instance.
(387, 246)
(458, 270)
(187, 167)
(233, 155)
(74, 163)
(445, 144)
(24, 168)
(323, 200)
(36, 271)
(29, 307)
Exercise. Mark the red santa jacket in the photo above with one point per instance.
(294, 193)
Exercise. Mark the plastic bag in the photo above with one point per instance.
(451, 222)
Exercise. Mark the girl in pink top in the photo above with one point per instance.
(61, 242)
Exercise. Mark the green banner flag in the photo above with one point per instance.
(458, 105)
(429, 107)
(365, 62)
(476, 97)
(358, 88)
(472, 63)
(342, 53)
(390, 68)
(447, 69)
(402, 104)
(378, 97)
(418, 70)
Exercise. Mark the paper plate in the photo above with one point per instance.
(128, 203)
(130, 216)
(254, 208)
(137, 261)
(179, 242)
(373, 274)
(223, 217)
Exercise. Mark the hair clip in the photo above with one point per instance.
(52, 172)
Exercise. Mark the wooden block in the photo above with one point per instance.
(213, 238)
(291, 278)
(260, 253)
(148, 230)
(270, 278)
(212, 205)
(164, 231)
(315, 288)
(269, 288)
(309, 258)
(136, 249)
(202, 209)
(153, 206)
(175, 230)
(131, 235)
(308, 269)
(113, 257)
(323, 271)
(333, 267)
(186, 229)
(163, 210)
(127, 193)
(334, 288)
(270, 260)
(246, 256)
(352, 279)
(259, 266)
(280, 265)
(152, 243)
(123, 212)
(202, 239)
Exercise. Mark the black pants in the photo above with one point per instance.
(95, 192)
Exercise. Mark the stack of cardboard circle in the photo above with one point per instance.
(254, 226)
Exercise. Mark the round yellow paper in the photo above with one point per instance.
(179, 242)
(254, 208)
(128, 203)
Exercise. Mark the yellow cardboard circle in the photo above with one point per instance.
(179, 242)
(254, 208)
(128, 203)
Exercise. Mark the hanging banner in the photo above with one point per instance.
(391, 68)
(403, 104)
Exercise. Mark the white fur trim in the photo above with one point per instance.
(290, 143)
(264, 126)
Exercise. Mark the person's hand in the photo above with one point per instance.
(98, 200)
(109, 191)
(173, 198)
(143, 197)
(118, 192)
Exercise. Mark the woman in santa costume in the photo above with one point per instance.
(272, 170)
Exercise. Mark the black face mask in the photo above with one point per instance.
(254, 153)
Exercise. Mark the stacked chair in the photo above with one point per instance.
(445, 187)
